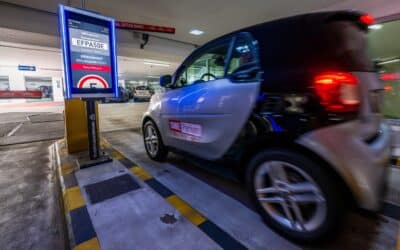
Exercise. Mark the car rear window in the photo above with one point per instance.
(349, 45)
(142, 88)
(314, 42)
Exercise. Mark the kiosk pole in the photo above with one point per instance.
(94, 151)
(95, 157)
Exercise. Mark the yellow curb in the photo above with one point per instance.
(140, 173)
(92, 244)
(73, 199)
(398, 239)
(117, 155)
(186, 210)
(67, 168)
(105, 144)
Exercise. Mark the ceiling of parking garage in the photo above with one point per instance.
(214, 17)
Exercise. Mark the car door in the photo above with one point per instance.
(212, 98)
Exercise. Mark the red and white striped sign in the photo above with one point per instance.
(144, 27)
(20, 94)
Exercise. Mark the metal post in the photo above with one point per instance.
(94, 151)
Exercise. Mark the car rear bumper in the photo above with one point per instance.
(361, 162)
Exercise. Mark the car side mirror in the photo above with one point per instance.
(165, 81)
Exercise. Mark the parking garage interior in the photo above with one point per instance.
(49, 201)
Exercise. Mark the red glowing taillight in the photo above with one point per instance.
(367, 19)
(390, 76)
(338, 91)
(388, 88)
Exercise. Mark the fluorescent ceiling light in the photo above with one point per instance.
(196, 32)
(389, 61)
(153, 77)
(375, 27)
(157, 64)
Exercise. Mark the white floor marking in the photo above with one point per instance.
(15, 129)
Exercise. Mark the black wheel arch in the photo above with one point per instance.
(146, 119)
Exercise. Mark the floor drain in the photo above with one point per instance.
(168, 219)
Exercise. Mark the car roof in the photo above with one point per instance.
(295, 47)
(305, 21)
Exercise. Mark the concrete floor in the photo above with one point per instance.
(134, 218)
(112, 116)
(29, 208)
(195, 183)
(26, 127)
(29, 201)
(117, 116)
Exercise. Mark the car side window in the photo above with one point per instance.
(243, 53)
(208, 66)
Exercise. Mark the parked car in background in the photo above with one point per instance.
(47, 91)
(123, 96)
(296, 103)
(142, 93)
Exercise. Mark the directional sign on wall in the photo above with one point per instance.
(26, 68)
(89, 53)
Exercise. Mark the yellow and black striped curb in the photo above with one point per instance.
(395, 161)
(217, 234)
(398, 240)
(82, 235)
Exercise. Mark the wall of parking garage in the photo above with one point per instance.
(46, 63)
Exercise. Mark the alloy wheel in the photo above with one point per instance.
(290, 196)
(151, 140)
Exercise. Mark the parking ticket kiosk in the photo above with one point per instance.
(90, 65)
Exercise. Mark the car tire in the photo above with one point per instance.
(151, 135)
(319, 219)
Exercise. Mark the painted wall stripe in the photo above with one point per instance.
(73, 199)
(92, 244)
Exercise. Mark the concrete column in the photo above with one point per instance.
(58, 94)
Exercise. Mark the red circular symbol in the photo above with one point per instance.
(92, 81)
